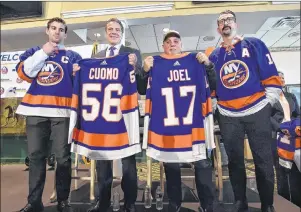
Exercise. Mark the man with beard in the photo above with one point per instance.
(247, 85)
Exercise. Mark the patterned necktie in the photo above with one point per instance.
(112, 48)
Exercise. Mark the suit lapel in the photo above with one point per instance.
(122, 49)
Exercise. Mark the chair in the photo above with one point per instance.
(76, 169)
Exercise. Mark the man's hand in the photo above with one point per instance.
(148, 63)
(132, 59)
(202, 58)
(49, 48)
(75, 68)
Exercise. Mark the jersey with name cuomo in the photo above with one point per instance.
(178, 122)
(50, 92)
(104, 122)
(243, 72)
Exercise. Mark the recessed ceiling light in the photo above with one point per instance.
(97, 35)
(208, 38)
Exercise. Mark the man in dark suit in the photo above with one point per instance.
(114, 31)
(114, 36)
(288, 181)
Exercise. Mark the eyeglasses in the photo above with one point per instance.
(229, 20)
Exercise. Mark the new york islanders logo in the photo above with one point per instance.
(52, 73)
(234, 74)
(4, 70)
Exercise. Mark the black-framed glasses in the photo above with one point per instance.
(229, 20)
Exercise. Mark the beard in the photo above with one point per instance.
(227, 31)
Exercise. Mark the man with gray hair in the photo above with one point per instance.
(172, 46)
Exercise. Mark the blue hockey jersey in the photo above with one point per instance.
(178, 115)
(50, 92)
(243, 73)
(289, 144)
(104, 122)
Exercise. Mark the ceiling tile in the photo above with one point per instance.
(269, 23)
(296, 44)
(151, 44)
(189, 43)
(132, 43)
(280, 23)
(205, 41)
(272, 36)
(204, 46)
(160, 42)
(143, 30)
(259, 34)
(128, 34)
(159, 29)
(91, 34)
(288, 39)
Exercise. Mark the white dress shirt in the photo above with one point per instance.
(116, 50)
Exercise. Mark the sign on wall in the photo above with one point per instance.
(11, 84)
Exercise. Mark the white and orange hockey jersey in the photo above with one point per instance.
(178, 123)
(104, 121)
(289, 144)
(50, 91)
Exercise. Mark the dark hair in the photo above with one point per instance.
(228, 12)
(115, 20)
(59, 20)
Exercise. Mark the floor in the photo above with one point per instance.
(14, 190)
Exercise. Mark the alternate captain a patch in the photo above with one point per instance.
(51, 74)
(234, 74)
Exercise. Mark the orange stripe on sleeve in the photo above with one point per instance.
(207, 107)
(273, 80)
(21, 74)
(179, 141)
(129, 102)
(148, 106)
(285, 154)
(100, 140)
(298, 143)
(74, 101)
(46, 100)
(242, 102)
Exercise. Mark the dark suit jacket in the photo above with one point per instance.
(141, 75)
(278, 114)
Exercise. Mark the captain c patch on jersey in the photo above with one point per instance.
(51, 74)
(234, 74)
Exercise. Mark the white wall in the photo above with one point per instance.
(289, 64)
